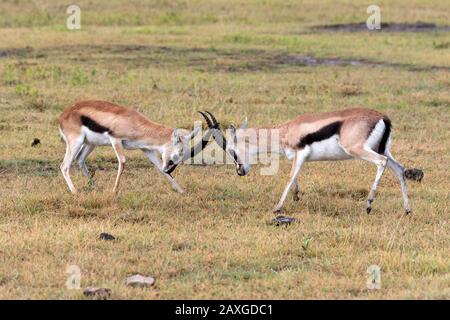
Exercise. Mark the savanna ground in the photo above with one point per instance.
(170, 59)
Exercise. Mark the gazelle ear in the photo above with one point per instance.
(176, 138)
(232, 129)
(244, 123)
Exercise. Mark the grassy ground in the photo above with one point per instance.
(169, 59)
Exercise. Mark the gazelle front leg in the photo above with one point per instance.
(299, 159)
(151, 155)
(118, 148)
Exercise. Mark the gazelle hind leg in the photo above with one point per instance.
(299, 159)
(72, 149)
(295, 191)
(118, 149)
(380, 161)
(295, 196)
(399, 171)
(81, 159)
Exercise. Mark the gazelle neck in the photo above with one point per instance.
(156, 135)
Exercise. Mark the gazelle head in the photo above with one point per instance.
(236, 147)
(175, 150)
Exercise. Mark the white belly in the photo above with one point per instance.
(95, 138)
(329, 149)
(103, 139)
(376, 135)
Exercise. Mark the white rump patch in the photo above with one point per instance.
(62, 134)
(375, 136)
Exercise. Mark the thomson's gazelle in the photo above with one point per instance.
(88, 124)
(341, 135)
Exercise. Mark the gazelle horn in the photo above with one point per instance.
(216, 124)
(208, 121)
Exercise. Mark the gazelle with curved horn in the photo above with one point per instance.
(88, 124)
(348, 134)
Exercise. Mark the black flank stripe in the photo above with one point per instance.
(386, 134)
(94, 126)
(322, 134)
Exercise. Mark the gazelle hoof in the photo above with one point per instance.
(368, 209)
(408, 211)
(276, 210)
(296, 197)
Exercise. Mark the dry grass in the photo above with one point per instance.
(214, 242)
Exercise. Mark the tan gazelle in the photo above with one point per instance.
(88, 124)
(340, 135)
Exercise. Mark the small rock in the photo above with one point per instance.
(283, 99)
(106, 236)
(99, 293)
(35, 142)
(282, 220)
(140, 281)
(414, 174)
(181, 246)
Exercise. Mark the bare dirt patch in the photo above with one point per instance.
(385, 27)
(201, 59)
(16, 52)
(307, 60)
